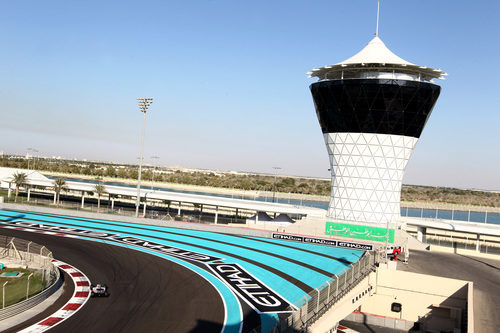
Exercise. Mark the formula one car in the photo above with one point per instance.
(99, 290)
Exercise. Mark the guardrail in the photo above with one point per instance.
(32, 301)
(457, 215)
(459, 240)
(34, 256)
(318, 301)
(321, 299)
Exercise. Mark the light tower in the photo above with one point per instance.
(144, 103)
(372, 109)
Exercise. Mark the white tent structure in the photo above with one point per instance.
(375, 60)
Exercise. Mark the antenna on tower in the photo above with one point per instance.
(378, 14)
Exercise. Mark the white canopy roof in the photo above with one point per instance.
(7, 174)
(375, 57)
(375, 52)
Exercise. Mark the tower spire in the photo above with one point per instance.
(378, 14)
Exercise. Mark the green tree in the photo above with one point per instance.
(110, 171)
(87, 171)
(133, 173)
(147, 175)
(59, 185)
(122, 173)
(20, 179)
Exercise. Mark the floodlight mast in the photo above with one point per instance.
(144, 103)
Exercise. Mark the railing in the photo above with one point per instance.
(452, 214)
(26, 252)
(154, 210)
(460, 240)
(37, 258)
(318, 301)
(32, 301)
(321, 299)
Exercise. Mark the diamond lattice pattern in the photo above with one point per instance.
(367, 171)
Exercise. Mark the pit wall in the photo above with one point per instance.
(436, 303)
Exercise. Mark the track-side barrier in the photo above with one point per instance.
(28, 254)
(319, 300)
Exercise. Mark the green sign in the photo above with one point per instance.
(358, 231)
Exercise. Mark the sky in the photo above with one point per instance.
(229, 85)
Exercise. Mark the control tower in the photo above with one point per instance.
(372, 109)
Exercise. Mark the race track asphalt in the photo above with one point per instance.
(483, 272)
(148, 293)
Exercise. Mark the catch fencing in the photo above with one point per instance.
(20, 253)
(25, 252)
(321, 299)
(318, 301)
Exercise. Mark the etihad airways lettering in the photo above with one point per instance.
(252, 290)
(323, 241)
(170, 250)
(153, 246)
(357, 246)
(58, 229)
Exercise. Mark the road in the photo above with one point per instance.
(148, 293)
(484, 273)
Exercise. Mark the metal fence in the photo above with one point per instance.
(318, 301)
(32, 256)
(32, 301)
(155, 209)
(26, 252)
(461, 215)
(487, 244)
(321, 299)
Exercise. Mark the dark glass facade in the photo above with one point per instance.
(381, 106)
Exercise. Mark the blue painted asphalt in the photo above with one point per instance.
(260, 250)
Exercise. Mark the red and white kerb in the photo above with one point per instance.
(79, 298)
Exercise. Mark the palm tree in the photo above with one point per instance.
(100, 190)
(167, 202)
(19, 179)
(59, 185)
